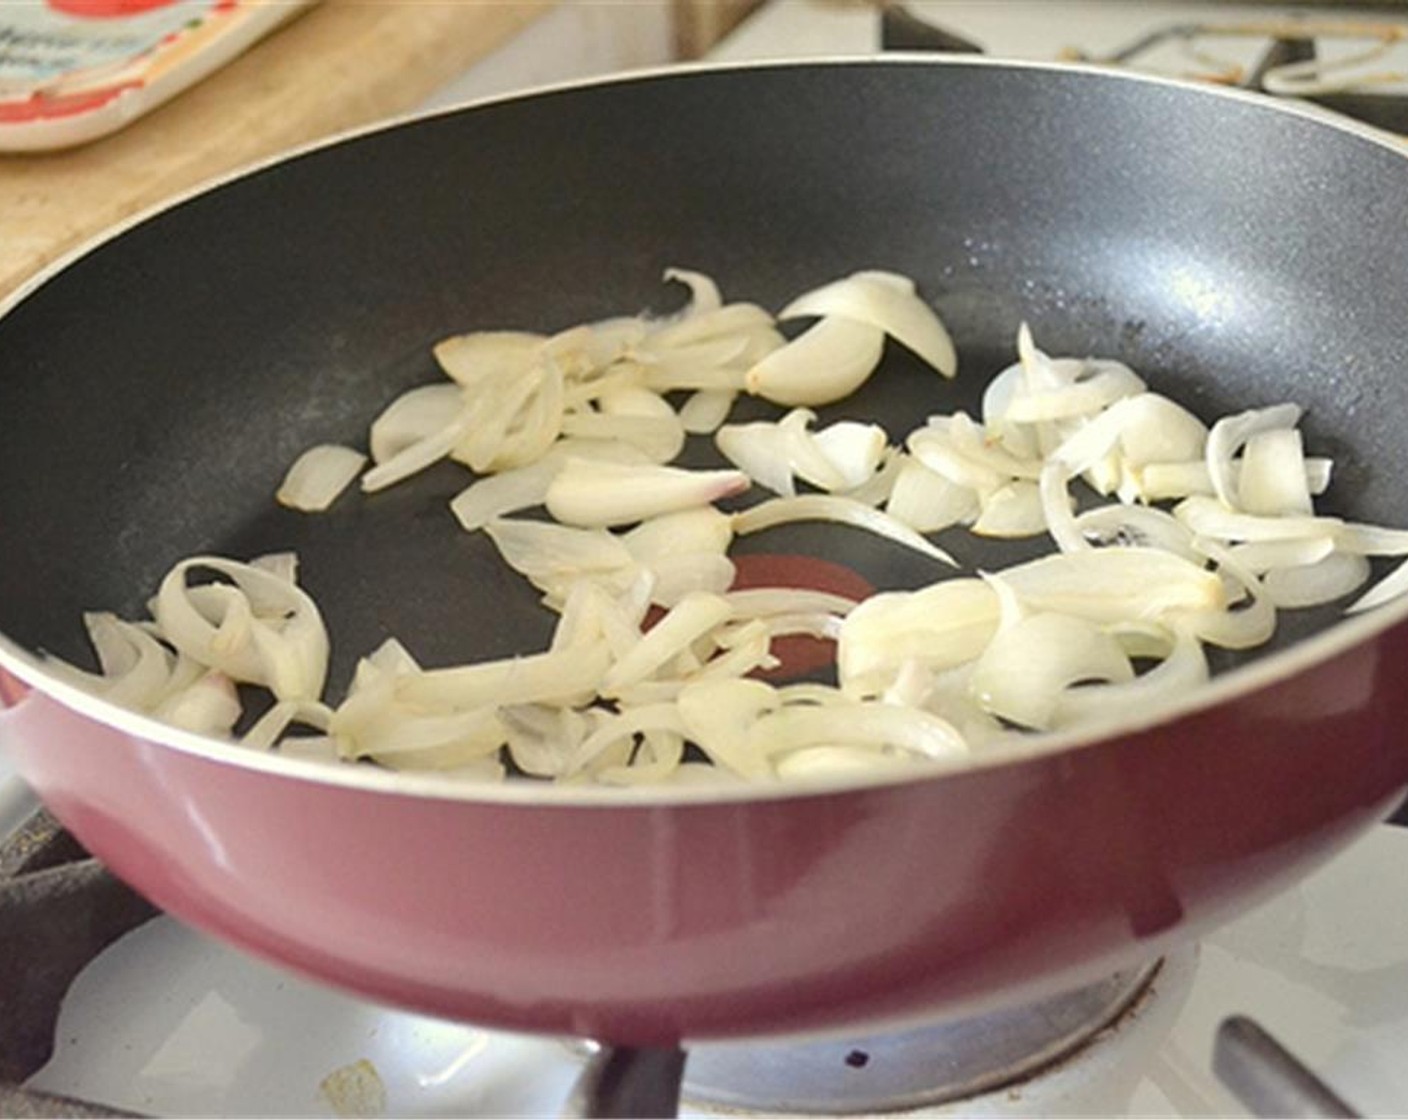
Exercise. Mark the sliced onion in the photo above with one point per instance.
(411, 417)
(554, 677)
(136, 668)
(416, 457)
(830, 507)
(546, 553)
(484, 357)
(269, 728)
(704, 294)
(933, 447)
(318, 476)
(524, 487)
(210, 706)
(807, 456)
(717, 366)
(759, 450)
(508, 492)
(1058, 508)
(858, 723)
(1123, 526)
(656, 759)
(449, 765)
(706, 410)
(717, 716)
(1208, 517)
(1106, 383)
(436, 741)
(624, 727)
(1184, 668)
(1386, 590)
(876, 490)
(1116, 585)
(973, 441)
(820, 762)
(702, 529)
(1272, 479)
(939, 627)
(1028, 666)
(529, 432)
(543, 740)
(927, 501)
(1372, 540)
(828, 361)
(592, 493)
(1158, 481)
(658, 440)
(695, 615)
(888, 302)
(592, 614)
(730, 321)
(1308, 585)
(1230, 433)
(1261, 557)
(1253, 620)
(578, 392)
(1014, 510)
(494, 413)
(290, 659)
(764, 602)
(311, 748)
(681, 574)
(281, 564)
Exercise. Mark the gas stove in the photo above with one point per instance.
(132, 1012)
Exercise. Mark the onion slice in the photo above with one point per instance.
(828, 361)
(887, 301)
(844, 511)
(593, 493)
(1028, 665)
(318, 476)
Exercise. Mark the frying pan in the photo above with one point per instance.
(1237, 253)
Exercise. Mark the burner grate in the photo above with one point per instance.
(59, 908)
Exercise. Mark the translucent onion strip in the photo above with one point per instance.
(1183, 669)
(828, 361)
(1026, 668)
(845, 511)
(887, 301)
(860, 723)
(318, 476)
(1227, 437)
(288, 652)
(593, 493)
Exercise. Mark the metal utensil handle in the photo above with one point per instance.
(1266, 1077)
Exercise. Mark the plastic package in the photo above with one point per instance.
(74, 70)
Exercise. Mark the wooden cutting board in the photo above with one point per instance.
(341, 64)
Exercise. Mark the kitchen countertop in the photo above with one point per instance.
(341, 64)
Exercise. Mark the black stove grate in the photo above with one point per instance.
(59, 908)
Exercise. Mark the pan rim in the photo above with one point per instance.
(1228, 687)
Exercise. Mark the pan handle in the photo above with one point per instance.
(628, 1082)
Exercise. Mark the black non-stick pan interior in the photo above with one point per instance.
(154, 392)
